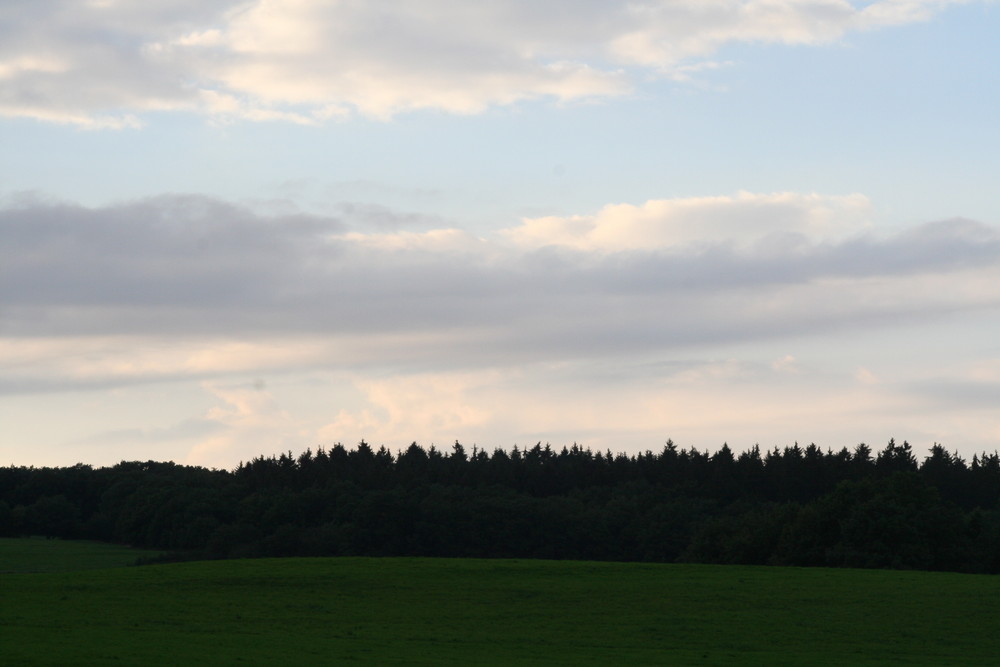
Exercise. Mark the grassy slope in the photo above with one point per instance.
(37, 554)
(439, 612)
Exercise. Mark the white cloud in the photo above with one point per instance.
(103, 64)
(700, 403)
(99, 362)
(249, 422)
(666, 223)
(865, 376)
(787, 364)
(401, 406)
(895, 12)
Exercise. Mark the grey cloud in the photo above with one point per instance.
(188, 429)
(929, 248)
(29, 382)
(192, 266)
(72, 59)
(956, 393)
(382, 218)
(171, 250)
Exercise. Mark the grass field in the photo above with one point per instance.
(469, 612)
(37, 554)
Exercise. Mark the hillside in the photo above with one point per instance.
(461, 612)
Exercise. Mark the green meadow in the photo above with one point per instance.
(324, 611)
(38, 554)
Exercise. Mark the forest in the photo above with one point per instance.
(795, 505)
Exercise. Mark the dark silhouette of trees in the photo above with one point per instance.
(794, 505)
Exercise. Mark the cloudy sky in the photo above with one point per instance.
(231, 228)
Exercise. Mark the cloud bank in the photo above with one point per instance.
(106, 63)
(199, 287)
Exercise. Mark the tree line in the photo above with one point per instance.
(786, 506)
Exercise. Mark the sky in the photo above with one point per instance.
(239, 228)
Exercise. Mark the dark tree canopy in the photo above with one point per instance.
(795, 506)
